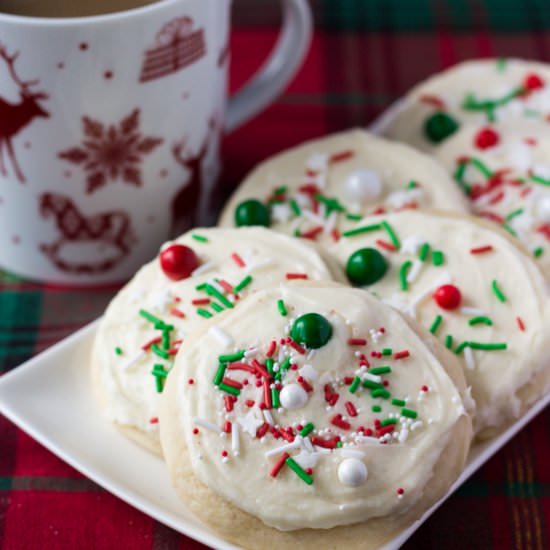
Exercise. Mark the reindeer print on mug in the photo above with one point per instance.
(14, 117)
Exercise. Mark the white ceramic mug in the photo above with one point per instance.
(110, 125)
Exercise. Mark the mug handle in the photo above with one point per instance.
(281, 65)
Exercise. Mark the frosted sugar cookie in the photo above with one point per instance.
(473, 92)
(322, 187)
(473, 288)
(203, 273)
(505, 171)
(329, 422)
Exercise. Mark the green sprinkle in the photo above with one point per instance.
(391, 234)
(501, 64)
(229, 389)
(295, 207)
(297, 469)
(387, 351)
(296, 233)
(380, 370)
(436, 323)
(160, 352)
(481, 346)
(497, 292)
(216, 307)
(388, 421)
(231, 357)
(380, 392)
(269, 365)
(448, 341)
(165, 339)
(220, 373)
(403, 270)
(159, 323)
(200, 238)
(539, 179)
(538, 252)
(354, 217)
(398, 402)
(158, 370)
(284, 366)
(159, 382)
(506, 227)
(459, 177)
(275, 402)
(203, 313)
(424, 251)
(244, 283)
(202, 286)
(307, 429)
(376, 408)
(363, 229)
(372, 385)
(118, 351)
(339, 444)
(281, 307)
(330, 203)
(514, 213)
(280, 190)
(480, 320)
(272, 202)
(412, 185)
(409, 413)
(212, 291)
(354, 385)
(438, 258)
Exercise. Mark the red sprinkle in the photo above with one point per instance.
(292, 276)
(433, 101)
(402, 354)
(305, 384)
(497, 198)
(325, 443)
(309, 471)
(260, 369)
(228, 403)
(278, 465)
(249, 402)
(177, 313)
(448, 297)
(311, 173)
(285, 435)
(339, 422)
(156, 340)
(225, 285)
(491, 216)
(232, 383)
(400, 491)
(241, 366)
(267, 394)
(350, 407)
(262, 430)
(532, 82)
(424, 388)
(312, 234)
(296, 346)
(530, 141)
(486, 138)
(339, 157)
(195, 431)
(200, 301)
(271, 349)
(190, 381)
(224, 453)
(481, 249)
(333, 399)
(237, 259)
(335, 234)
(386, 246)
(154, 420)
(521, 324)
(227, 427)
(385, 430)
(357, 341)
(348, 380)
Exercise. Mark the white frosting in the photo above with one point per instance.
(361, 174)
(392, 461)
(126, 381)
(495, 376)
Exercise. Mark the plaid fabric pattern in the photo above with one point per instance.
(365, 54)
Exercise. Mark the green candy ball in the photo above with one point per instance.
(252, 212)
(312, 330)
(440, 126)
(366, 266)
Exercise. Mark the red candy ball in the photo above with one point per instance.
(178, 261)
(486, 138)
(533, 81)
(447, 297)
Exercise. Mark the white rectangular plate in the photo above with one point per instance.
(50, 398)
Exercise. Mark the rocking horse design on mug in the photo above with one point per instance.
(105, 237)
(14, 117)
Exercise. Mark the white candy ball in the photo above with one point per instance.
(352, 472)
(293, 396)
(543, 209)
(363, 185)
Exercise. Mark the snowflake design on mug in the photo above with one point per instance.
(111, 152)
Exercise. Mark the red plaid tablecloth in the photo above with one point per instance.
(364, 55)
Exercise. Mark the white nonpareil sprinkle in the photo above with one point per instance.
(208, 425)
(466, 310)
(363, 185)
(203, 268)
(414, 271)
(371, 377)
(133, 360)
(281, 213)
(403, 435)
(235, 443)
(268, 417)
(220, 335)
(469, 358)
(366, 439)
(296, 444)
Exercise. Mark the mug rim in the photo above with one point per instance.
(86, 19)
